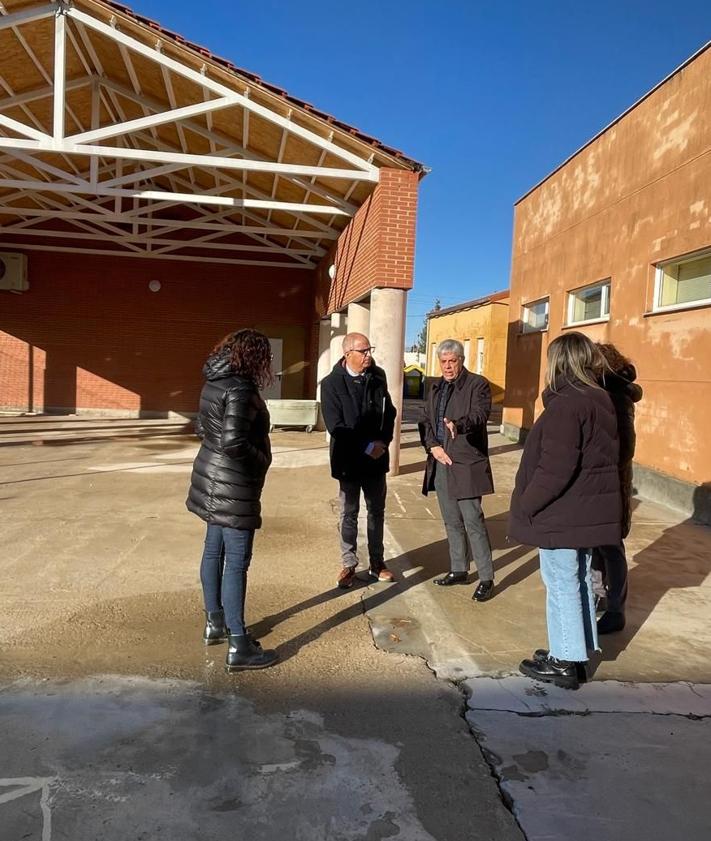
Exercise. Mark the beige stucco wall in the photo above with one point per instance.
(638, 195)
(488, 322)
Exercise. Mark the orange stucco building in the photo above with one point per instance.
(616, 243)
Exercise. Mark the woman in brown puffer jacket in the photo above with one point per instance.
(567, 500)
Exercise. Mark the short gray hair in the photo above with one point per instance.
(450, 346)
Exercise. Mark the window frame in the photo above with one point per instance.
(526, 328)
(605, 299)
(659, 268)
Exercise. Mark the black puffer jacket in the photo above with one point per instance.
(567, 493)
(624, 393)
(355, 415)
(229, 470)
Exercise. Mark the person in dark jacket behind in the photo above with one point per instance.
(458, 469)
(619, 382)
(567, 500)
(226, 486)
(360, 418)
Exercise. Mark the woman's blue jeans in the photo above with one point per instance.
(223, 573)
(570, 604)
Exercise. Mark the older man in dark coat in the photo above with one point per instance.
(455, 437)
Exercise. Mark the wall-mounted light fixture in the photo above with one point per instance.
(154, 285)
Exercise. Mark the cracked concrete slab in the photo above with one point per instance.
(622, 777)
(126, 758)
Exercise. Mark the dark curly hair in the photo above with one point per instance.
(615, 359)
(250, 355)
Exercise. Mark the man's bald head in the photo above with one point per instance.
(357, 352)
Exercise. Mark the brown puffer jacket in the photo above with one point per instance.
(567, 493)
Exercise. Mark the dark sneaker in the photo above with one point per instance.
(562, 673)
(346, 577)
(381, 574)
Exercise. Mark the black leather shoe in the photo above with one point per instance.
(560, 672)
(610, 623)
(451, 578)
(484, 591)
(215, 629)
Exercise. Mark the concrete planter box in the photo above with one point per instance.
(293, 413)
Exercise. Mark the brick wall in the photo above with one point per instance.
(377, 249)
(90, 335)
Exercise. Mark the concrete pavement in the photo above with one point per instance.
(119, 723)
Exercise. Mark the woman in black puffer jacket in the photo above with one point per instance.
(226, 486)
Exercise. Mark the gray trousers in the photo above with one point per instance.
(464, 519)
(374, 491)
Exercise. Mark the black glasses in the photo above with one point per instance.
(364, 350)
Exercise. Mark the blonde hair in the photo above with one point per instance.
(573, 358)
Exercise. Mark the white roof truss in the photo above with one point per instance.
(99, 159)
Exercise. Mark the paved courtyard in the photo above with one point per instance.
(395, 712)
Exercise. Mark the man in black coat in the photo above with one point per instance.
(360, 418)
(455, 436)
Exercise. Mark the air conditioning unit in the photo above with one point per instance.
(13, 272)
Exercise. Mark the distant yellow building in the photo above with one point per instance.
(482, 327)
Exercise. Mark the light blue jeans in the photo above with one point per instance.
(570, 604)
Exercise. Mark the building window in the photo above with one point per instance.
(684, 282)
(467, 350)
(534, 316)
(591, 303)
(433, 359)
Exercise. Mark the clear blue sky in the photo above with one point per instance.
(491, 95)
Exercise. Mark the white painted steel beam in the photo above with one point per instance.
(147, 255)
(160, 195)
(24, 130)
(66, 147)
(60, 50)
(152, 120)
(27, 16)
(227, 227)
(218, 88)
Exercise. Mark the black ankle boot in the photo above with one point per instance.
(215, 628)
(562, 673)
(610, 622)
(245, 653)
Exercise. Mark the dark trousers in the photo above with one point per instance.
(466, 529)
(612, 562)
(374, 492)
(223, 572)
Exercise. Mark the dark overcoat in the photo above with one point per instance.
(567, 492)
(624, 393)
(356, 414)
(235, 454)
(468, 407)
